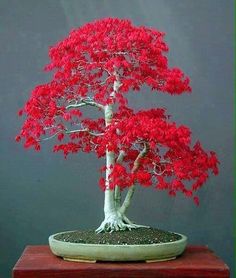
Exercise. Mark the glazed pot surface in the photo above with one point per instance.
(107, 252)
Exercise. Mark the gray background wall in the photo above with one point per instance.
(41, 193)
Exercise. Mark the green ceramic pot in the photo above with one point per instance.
(105, 252)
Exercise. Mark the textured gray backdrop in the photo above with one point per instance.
(41, 193)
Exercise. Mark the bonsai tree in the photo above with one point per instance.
(94, 68)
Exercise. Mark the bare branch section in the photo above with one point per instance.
(131, 190)
(85, 102)
(72, 131)
(50, 137)
(84, 130)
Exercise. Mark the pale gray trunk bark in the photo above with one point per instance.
(109, 202)
(114, 220)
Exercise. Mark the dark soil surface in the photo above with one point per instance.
(134, 237)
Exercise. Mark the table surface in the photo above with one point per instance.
(197, 261)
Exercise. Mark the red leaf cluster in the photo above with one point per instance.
(171, 163)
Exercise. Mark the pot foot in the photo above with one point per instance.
(78, 260)
(160, 260)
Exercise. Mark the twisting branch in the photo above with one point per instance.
(160, 172)
(131, 190)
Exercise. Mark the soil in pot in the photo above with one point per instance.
(134, 237)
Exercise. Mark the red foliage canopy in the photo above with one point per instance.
(87, 66)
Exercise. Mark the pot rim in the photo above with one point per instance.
(51, 238)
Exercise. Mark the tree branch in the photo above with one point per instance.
(70, 132)
(85, 102)
(160, 171)
(83, 130)
(50, 137)
(131, 190)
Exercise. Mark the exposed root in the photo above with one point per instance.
(117, 223)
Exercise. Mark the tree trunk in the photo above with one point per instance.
(111, 217)
(109, 201)
(114, 220)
